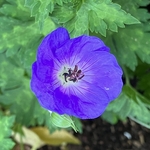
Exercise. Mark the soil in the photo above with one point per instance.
(100, 135)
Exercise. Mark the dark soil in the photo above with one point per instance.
(100, 135)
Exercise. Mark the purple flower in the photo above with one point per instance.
(77, 77)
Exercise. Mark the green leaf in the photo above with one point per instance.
(5, 125)
(79, 24)
(41, 9)
(16, 95)
(22, 38)
(130, 43)
(121, 106)
(24, 105)
(10, 74)
(42, 117)
(20, 34)
(63, 14)
(142, 2)
(78, 124)
(143, 15)
(78, 17)
(16, 10)
(1, 2)
(62, 121)
(118, 104)
(28, 3)
(129, 5)
(133, 41)
(133, 105)
(108, 15)
(110, 117)
(134, 7)
(20, 99)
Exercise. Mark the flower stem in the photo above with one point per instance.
(126, 75)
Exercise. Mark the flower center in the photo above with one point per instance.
(73, 75)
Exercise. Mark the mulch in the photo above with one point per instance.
(100, 135)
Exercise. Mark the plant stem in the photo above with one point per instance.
(126, 75)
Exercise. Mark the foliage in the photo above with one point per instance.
(124, 27)
(6, 122)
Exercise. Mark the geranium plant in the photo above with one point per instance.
(67, 60)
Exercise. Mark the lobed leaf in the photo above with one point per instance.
(133, 105)
(16, 10)
(134, 7)
(94, 15)
(130, 3)
(17, 96)
(108, 15)
(21, 38)
(133, 42)
(41, 9)
(15, 34)
(5, 126)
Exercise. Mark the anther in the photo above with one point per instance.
(73, 75)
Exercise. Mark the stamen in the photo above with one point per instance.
(65, 76)
(75, 68)
(73, 75)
